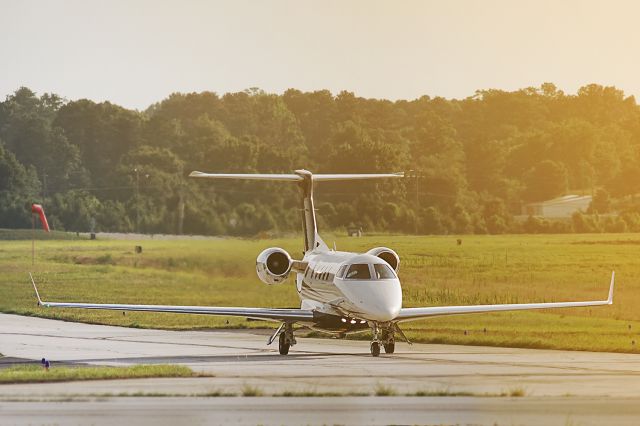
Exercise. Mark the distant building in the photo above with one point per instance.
(558, 207)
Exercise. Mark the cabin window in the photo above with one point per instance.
(359, 271)
(382, 271)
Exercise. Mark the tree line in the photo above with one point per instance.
(473, 162)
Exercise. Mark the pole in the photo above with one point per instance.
(417, 203)
(180, 211)
(137, 200)
(33, 239)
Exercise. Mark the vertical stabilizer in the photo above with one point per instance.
(309, 227)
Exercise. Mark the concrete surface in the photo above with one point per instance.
(239, 358)
(561, 387)
(325, 411)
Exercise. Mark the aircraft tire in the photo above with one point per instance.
(375, 349)
(283, 345)
(389, 348)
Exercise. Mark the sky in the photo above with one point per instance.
(136, 52)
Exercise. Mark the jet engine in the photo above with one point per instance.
(388, 255)
(273, 265)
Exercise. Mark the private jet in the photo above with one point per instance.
(340, 292)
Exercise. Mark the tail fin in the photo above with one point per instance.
(304, 179)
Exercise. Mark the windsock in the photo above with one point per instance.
(37, 209)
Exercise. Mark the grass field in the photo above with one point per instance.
(434, 271)
(36, 374)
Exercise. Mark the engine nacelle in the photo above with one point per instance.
(388, 255)
(273, 265)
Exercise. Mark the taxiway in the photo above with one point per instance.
(557, 384)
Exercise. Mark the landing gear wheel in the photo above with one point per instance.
(389, 348)
(375, 348)
(283, 345)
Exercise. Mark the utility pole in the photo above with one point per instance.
(181, 198)
(180, 210)
(137, 199)
(417, 206)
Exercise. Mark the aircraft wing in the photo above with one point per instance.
(269, 314)
(412, 314)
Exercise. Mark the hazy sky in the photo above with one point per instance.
(135, 53)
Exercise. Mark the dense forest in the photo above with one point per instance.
(474, 162)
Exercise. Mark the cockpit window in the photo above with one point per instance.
(383, 271)
(359, 271)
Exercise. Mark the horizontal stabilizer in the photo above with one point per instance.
(323, 178)
(250, 176)
(295, 177)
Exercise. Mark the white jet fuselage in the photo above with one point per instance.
(331, 285)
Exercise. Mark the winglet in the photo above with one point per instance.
(36, 289)
(613, 278)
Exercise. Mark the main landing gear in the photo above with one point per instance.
(283, 345)
(375, 348)
(286, 339)
(388, 341)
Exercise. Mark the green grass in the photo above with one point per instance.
(514, 393)
(285, 394)
(517, 392)
(434, 271)
(248, 390)
(315, 394)
(383, 390)
(37, 374)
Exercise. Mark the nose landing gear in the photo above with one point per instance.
(385, 336)
(375, 342)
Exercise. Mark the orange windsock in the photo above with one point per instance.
(37, 209)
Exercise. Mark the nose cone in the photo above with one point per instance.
(383, 313)
(378, 300)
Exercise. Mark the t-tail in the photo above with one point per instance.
(305, 180)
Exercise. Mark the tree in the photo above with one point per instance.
(28, 132)
(545, 181)
(477, 159)
(19, 187)
(601, 202)
(102, 134)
